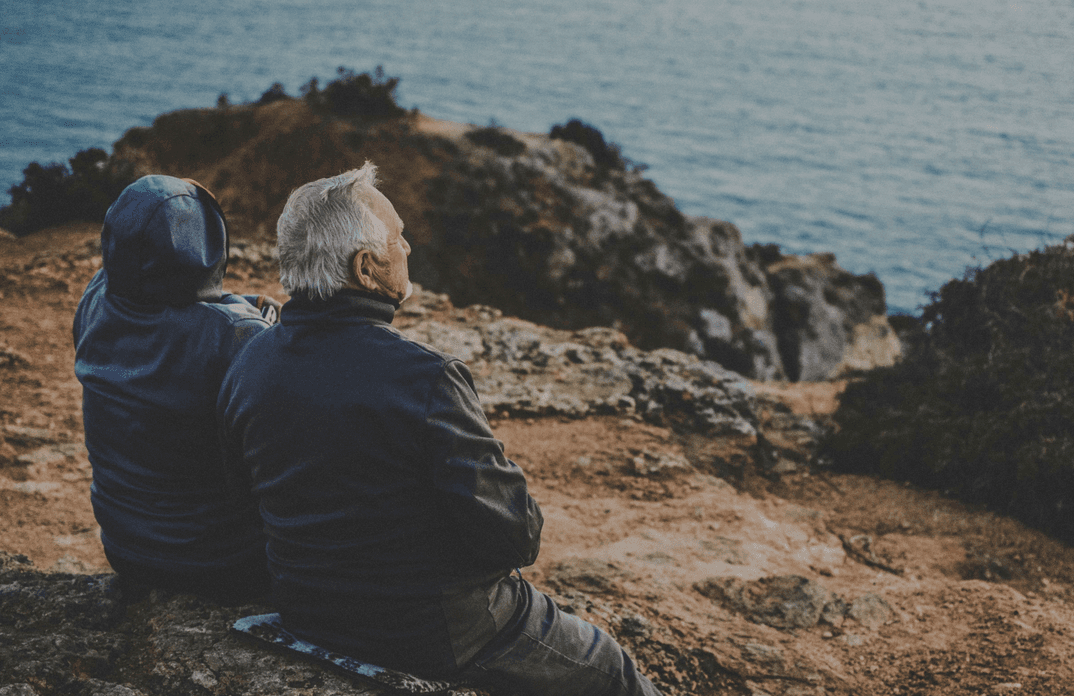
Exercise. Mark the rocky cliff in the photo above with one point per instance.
(683, 513)
(540, 229)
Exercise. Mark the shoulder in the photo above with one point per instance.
(233, 320)
(446, 370)
(394, 339)
(233, 316)
(420, 360)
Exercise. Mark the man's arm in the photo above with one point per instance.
(483, 494)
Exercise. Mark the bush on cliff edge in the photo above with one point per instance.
(354, 94)
(605, 154)
(982, 405)
(53, 194)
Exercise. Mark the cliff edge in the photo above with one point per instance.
(684, 512)
(541, 229)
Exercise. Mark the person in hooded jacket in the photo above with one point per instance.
(154, 334)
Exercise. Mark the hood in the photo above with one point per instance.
(164, 241)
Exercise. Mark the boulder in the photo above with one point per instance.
(785, 601)
(827, 321)
(791, 601)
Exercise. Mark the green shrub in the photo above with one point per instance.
(54, 194)
(605, 154)
(274, 93)
(982, 404)
(498, 140)
(353, 94)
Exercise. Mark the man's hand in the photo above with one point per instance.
(269, 308)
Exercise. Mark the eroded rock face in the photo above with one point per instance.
(84, 635)
(521, 368)
(828, 321)
(547, 235)
(537, 228)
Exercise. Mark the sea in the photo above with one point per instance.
(915, 139)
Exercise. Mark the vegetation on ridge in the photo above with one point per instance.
(54, 194)
(982, 404)
(353, 94)
(606, 154)
(498, 140)
(350, 94)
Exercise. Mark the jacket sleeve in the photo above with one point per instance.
(244, 325)
(236, 473)
(482, 494)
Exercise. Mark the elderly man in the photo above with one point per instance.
(394, 518)
(154, 335)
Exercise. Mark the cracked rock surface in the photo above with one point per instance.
(521, 368)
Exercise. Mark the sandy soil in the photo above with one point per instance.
(978, 603)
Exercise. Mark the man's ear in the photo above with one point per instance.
(362, 271)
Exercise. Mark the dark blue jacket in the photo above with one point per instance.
(154, 335)
(394, 518)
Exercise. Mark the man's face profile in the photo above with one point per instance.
(388, 276)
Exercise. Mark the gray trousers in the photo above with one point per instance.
(547, 652)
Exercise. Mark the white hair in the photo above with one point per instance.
(322, 226)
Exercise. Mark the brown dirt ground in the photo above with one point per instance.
(981, 604)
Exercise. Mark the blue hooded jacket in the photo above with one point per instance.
(154, 334)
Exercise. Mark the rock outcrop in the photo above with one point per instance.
(543, 232)
(792, 601)
(66, 634)
(84, 635)
(713, 557)
(524, 369)
(537, 228)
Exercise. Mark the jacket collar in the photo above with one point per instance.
(344, 305)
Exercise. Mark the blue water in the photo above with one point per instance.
(912, 138)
